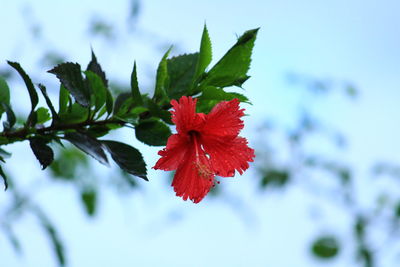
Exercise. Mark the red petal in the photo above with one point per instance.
(184, 114)
(174, 153)
(193, 178)
(228, 154)
(224, 119)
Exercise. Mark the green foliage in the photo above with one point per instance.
(152, 132)
(98, 90)
(232, 68)
(4, 94)
(162, 79)
(212, 95)
(71, 78)
(205, 55)
(84, 99)
(48, 102)
(274, 178)
(95, 67)
(89, 200)
(137, 97)
(128, 158)
(42, 115)
(325, 247)
(3, 175)
(88, 145)
(11, 119)
(181, 72)
(42, 151)
(29, 85)
(63, 100)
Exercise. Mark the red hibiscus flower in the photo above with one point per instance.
(205, 146)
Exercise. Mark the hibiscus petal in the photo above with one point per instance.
(174, 153)
(193, 178)
(228, 154)
(184, 115)
(224, 119)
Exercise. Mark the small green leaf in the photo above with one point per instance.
(42, 151)
(88, 145)
(123, 103)
(232, 68)
(29, 85)
(137, 97)
(205, 55)
(160, 93)
(153, 133)
(68, 163)
(95, 67)
(12, 237)
(181, 70)
(3, 175)
(89, 200)
(211, 96)
(157, 111)
(42, 115)
(109, 102)
(11, 120)
(4, 94)
(48, 101)
(98, 89)
(274, 178)
(128, 158)
(70, 76)
(54, 238)
(325, 247)
(75, 114)
(63, 100)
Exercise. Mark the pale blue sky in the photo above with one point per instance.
(355, 41)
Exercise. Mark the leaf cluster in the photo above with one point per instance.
(88, 110)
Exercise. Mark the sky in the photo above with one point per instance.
(347, 41)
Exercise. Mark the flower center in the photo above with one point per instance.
(201, 158)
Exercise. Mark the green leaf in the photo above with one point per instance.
(205, 55)
(88, 145)
(213, 95)
(54, 238)
(109, 102)
(153, 133)
(48, 101)
(232, 68)
(89, 200)
(63, 100)
(3, 175)
(123, 103)
(128, 158)
(69, 160)
(31, 89)
(181, 70)
(325, 247)
(75, 114)
(4, 94)
(42, 151)
(95, 67)
(160, 93)
(42, 115)
(157, 111)
(137, 97)
(11, 120)
(12, 237)
(98, 89)
(70, 76)
(274, 178)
